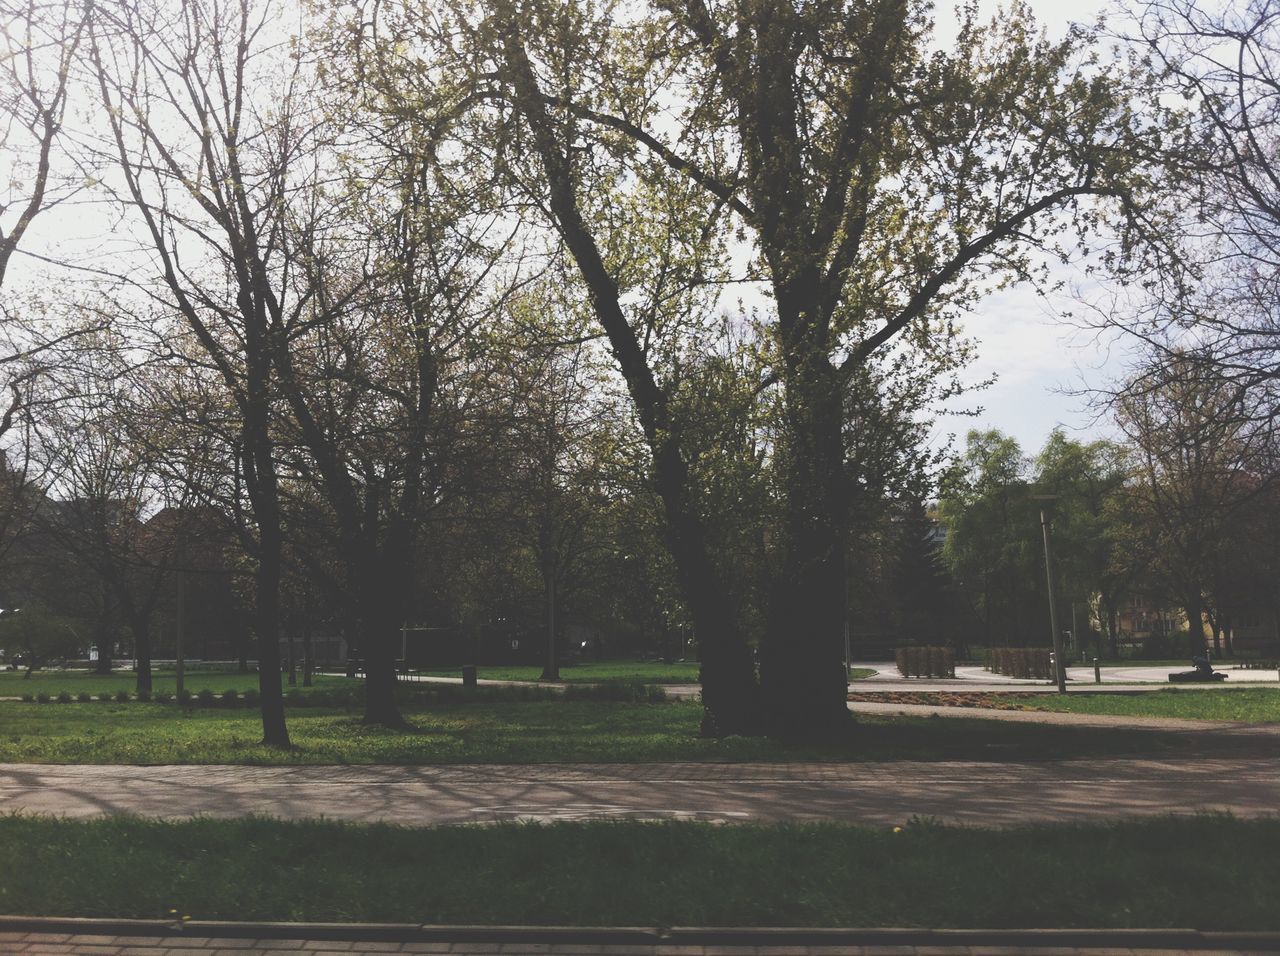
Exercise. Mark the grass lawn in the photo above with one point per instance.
(1204, 873)
(51, 682)
(680, 672)
(512, 731)
(1252, 704)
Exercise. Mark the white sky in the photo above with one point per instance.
(1037, 356)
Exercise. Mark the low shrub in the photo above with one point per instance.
(42, 698)
(1025, 663)
(162, 697)
(185, 697)
(122, 697)
(206, 697)
(105, 696)
(64, 697)
(28, 698)
(251, 697)
(925, 661)
(230, 698)
(144, 695)
(84, 697)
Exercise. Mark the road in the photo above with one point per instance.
(992, 794)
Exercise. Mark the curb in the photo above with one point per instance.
(1185, 939)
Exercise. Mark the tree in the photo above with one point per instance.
(1199, 455)
(34, 80)
(881, 189)
(993, 535)
(38, 636)
(207, 137)
(1087, 479)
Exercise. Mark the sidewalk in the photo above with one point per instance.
(978, 793)
(125, 937)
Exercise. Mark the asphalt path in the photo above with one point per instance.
(976, 793)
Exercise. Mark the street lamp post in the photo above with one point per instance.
(1060, 672)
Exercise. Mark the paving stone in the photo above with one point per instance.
(142, 942)
(265, 944)
(80, 949)
(191, 942)
(375, 946)
(48, 937)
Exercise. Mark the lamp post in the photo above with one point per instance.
(1060, 672)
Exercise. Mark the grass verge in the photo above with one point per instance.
(1204, 872)
(679, 672)
(52, 682)
(1251, 704)
(550, 730)
(1247, 704)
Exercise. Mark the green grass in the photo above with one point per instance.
(505, 731)
(680, 672)
(1252, 704)
(13, 684)
(1204, 873)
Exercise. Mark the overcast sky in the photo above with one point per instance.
(1037, 356)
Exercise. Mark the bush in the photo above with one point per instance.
(84, 697)
(64, 697)
(230, 698)
(104, 696)
(122, 697)
(925, 661)
(206, 697)
(1025, 663)
(42, 698)
(144, 695)
(251, 698)
(28, 698)
(184, 697)
(162, 697)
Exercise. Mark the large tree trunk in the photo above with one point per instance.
(802, 670)
(140, 626)
(381, 611)
(105, 638)
(261, 482)
(275, 733)
(729, 687)
(1195, 621)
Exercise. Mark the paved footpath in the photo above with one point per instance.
(115, 938)
(873, 793)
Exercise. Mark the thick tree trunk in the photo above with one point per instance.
(380, 681)
(729, 687)
(141, 628)
(105, 639)
(308, 662)
(1195, 622)
(275, 732)
(802, 669)
(380, 608)
(551, 666)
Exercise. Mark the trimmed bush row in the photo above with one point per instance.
(926, 661)
(1024, 662)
